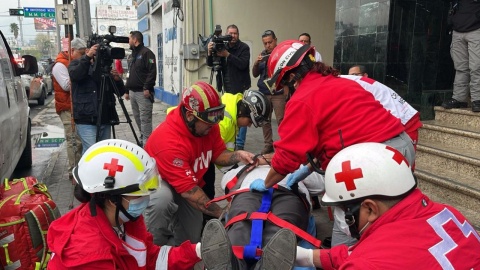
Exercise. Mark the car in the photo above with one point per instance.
(15, 123)
(37, 85)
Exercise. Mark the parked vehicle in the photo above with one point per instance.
(38, 85)
(15, 125)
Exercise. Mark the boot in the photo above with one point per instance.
(280, 252)
(216, 248)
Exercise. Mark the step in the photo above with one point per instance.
(454, 135)
(464, 117)
(441, 155)
(441, 188)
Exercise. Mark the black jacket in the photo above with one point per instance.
(142, 69)
(86, 94)
(466, 17)
(236, 68)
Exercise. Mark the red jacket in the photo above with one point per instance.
(320, 108)
(182, 159)
(79, 241)
(417, 233)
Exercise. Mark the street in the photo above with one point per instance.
(41, 156)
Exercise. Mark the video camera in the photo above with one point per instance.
(105, 52)
(219, 40)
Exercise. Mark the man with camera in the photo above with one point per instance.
(277, 99)
(234, 75)
(93, 107)
(142, 76)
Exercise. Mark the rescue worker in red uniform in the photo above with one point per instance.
(107, 231)
(398, 226)
(325, 113)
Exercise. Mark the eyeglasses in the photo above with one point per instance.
(268, 33)
(212, 115)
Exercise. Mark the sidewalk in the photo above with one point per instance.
(61, 189)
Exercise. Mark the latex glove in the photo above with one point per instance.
(258, 185)
(298, 175)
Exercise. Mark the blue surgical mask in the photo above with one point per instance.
(135, 207)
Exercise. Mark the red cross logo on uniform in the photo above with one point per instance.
(347, 175)
(113, 167)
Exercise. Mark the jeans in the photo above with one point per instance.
(88, 135)
(241, 137)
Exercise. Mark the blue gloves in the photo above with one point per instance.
(297, 176)
(258, 185)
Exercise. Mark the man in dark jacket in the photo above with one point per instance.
(235, 69)
(87, 99)
(464, 17)
(140, 82)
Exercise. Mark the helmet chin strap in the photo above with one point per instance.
(352, 213)
(117, 200)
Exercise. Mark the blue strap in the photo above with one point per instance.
(249, 253)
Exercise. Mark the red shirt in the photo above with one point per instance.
(320, 108)
(417, 233)
(80, 241)
(182, 159)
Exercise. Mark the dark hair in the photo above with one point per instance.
(82, 196)
(325, 70)
(242, 109)
(306, 34)
(362, 68)
(269, 33)
(234, 27)
(137, 35)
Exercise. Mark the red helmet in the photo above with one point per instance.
(285, 57)
(204, 101)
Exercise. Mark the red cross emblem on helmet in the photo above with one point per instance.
(348, 175)
(113, 167)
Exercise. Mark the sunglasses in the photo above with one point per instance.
(212, 115)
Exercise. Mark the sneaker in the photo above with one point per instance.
(216, 249)
(453, 103)
(280, 252)
(267, 149)
(238, 147)
(476, 106)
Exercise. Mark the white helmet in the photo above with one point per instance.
(365, 170)
(117, 167)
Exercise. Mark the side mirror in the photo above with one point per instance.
(29, 65)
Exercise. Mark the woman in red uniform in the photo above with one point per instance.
(107, 231)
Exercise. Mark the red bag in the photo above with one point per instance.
(16, 186)
(24, 222)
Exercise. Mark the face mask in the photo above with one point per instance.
(135, 207)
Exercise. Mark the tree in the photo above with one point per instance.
(43, 44)
(14, 29)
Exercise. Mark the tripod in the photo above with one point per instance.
(218, 67)
(106, 80)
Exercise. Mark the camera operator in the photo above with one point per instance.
(86, 96)
(235, 63)
(464, 17)
(142, 76)
(235, 60)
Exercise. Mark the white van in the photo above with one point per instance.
(15, 138)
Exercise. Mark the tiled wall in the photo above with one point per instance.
(403, 43)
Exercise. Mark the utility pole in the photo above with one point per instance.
(83, 18)
(20, 19)
(57, 38)
(68, 28)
